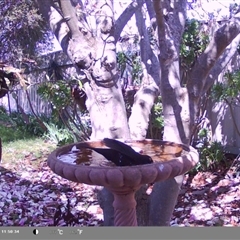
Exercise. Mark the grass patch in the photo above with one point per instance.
(19, 152)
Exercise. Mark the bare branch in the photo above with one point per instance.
(126, 16)
(160, 18)
(205, 63)
(148, 57)
(55, 20)
(222, 62)
(221, 39)
(151, 13)
(70, 17)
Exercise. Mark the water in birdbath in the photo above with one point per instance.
(85, 156)
(79, 155)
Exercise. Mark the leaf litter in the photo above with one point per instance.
(32, 195)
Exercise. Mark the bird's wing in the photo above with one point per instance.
(121, 147)
(114, 156)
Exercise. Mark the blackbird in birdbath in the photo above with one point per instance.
(121, 154)
(122, 167)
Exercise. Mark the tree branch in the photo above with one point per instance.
(146, 95)
(160, 19)
(55, 20)
(125, 17)
(70, 17)
(221, 39)
(148, 57)
(222, 62)
(151, 13)
(200, 71)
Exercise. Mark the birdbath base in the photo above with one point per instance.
(124, 205)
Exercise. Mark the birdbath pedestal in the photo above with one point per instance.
(76, 163)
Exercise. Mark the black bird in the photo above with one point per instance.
(121, 154)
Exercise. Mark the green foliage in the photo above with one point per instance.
(203, 133)
(58, 93)
(156, 122)
(194, 42)
(228, 89)
(13, 127)
(22, 26)
(122, 61)
(66, 121)
(132, 59)
(203, 137)
(152, 38)
(9, 134)
(58, 135)
(157, 113)
(4, 118)
(210, 156)
(31, 127)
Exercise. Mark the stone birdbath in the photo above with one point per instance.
(77, 163)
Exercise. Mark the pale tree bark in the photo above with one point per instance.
(126, 16)
(94, 54)
(170, 21)
(221, 63)
(170, 16)
(180, 105)
(143, 103)
(149, 90)
(206, 61)
(95, 59)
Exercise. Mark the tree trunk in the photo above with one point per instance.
(174, 100)
(221, 63)
(146, 95)
(94, 54)
(206, 61)
(163, 200)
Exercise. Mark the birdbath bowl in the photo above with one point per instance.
(77, 163)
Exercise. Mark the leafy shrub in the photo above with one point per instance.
(67, 125)
(228, 89)
(210, 156)
(28, 125)
(132, 59)
(60, 136)
(58, 93)
(194, 42)
(15, 126)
